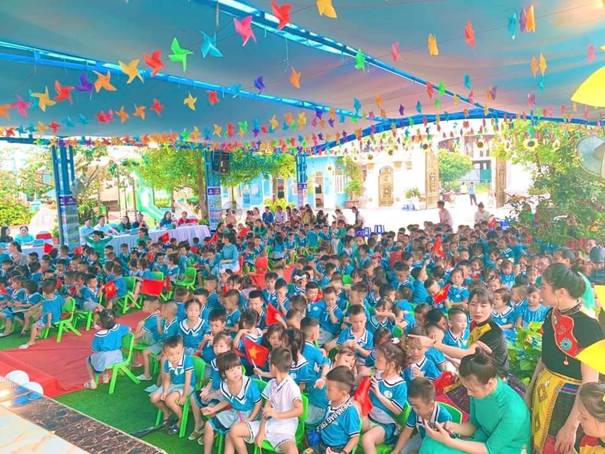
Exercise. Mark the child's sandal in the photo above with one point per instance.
(197, 433)
(90, 385)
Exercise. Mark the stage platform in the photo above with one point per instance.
(33, 423)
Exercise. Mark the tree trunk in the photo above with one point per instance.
(233, 201)
(201, 186)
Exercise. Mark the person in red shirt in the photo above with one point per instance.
(183, 219)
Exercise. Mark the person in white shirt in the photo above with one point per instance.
(102, 226)
(86, 230)
(445, 217)
(282, 409)
(482, 215)
(280, 216)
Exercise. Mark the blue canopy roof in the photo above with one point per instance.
(47, 41)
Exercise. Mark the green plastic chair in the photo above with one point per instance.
(67, 320)
(157, 275)
(300, 429)
(199, 366)
(346, 279)
(189, 279)
(123, 302)
(87, 316)
(124, 366)
(455, 413)
(402, 419)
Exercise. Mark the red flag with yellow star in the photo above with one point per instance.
(257, 354)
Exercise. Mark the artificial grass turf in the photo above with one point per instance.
(128, 409)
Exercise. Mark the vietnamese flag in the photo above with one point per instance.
(438, 247)
(164, 237)
(441, 295)
(271, 317)
(257, 354)
(47, 248)
(78, 250)
(110, 290)
(362, 396)
(152, 287)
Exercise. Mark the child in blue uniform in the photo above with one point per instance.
(503, 314)
(106, 347)
(178, 382)
(241, 400)
(388, 395)
(425, 410)
(329, 315)
(340, 428)
(51, 311)
(16, 296)
(357, 337)
(167, 326)
(319, 364)
(534, 310)
(456, 334)
(193, 328)
(32, 306)
(420, 364)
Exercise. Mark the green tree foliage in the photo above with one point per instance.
(452, 167)
(354, 187)
(169, 168)
(36, 178)
(245, 167)
(571, 202)
(12, 210)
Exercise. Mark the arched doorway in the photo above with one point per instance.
(385, 187)
(318, 189)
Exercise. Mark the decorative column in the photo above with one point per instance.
(67, 207)
(213, 192)
(301, 178)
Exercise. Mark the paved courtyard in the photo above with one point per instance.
(393, 218)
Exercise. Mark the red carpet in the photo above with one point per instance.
(59, 368)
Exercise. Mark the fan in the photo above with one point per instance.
(592, 152)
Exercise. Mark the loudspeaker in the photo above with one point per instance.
(224, 162)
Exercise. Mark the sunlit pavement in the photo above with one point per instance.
(392, 218)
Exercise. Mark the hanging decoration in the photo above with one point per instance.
(432, 45)
(154, 61)
(190, 101)
(103, 82)
(131, 69)
(326, 8)
(179, 54)
(208, 47)
(44, 100)
(282, 12)
(244, 29)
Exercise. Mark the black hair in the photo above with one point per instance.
(295, 340)
(480, 365)
(217, 314)
(281, 358)
(422, 388)
(226, 361)
(173, 341)
(343, 377)
(560, 276)
(394, 353)
(248, 319)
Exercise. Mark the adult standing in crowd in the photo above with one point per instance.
(553, 391)
(359, 220)
(472, 193)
